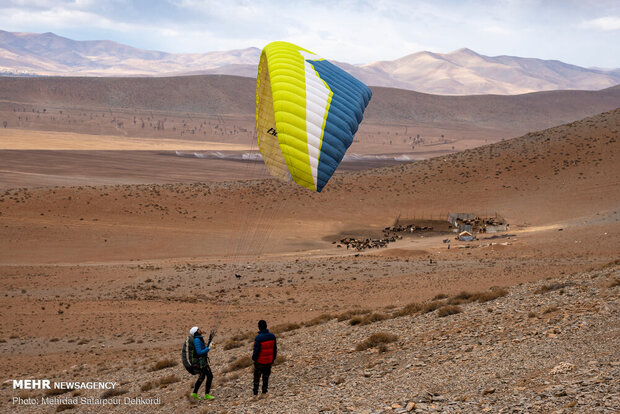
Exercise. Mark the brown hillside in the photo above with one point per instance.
(524, 113)
(102, 282)
(210, 95)
(557, 174)
(221, 109)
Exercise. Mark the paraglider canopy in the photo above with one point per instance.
(307, 111)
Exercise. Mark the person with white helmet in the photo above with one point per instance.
(201, 352)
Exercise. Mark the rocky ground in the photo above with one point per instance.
(546, 346)
(102, 283)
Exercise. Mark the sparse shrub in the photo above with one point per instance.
(356, 320)
(410, 309)
(239, 363)
(464, 295)
(368, 319)
(146, 387)
(63, 407)
(376, 339)
(481, 297)
(614, 283)
(449, 310)
(532, 315)
(232, 344)
(374, 317)
(113, 393)
(57, 391)
(611, 264)
(349, 314)
(163, 364)
(243, 336)
(431, 306)
(168, 379)
(280, 359)
(285, 327)
(551, 287)
(550, 309)
(440, 296)
(326, 317)
(231, 377)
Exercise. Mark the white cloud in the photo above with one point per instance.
(608, 23)
(354, 31)
(59, 18)
(497, 30)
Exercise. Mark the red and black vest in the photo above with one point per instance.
(265, 348)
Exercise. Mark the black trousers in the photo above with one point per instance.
(204, 372)
(261, 370)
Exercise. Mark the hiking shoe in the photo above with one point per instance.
(195, 396)
(208, 397)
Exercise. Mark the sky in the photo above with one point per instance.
(580, 32)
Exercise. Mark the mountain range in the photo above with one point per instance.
(462, 72)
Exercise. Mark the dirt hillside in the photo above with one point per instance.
(217, 108)
(102, 282)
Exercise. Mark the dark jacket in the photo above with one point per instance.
(199, 345)
(265, 347)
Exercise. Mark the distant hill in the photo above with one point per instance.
(231, 95)
(465, 72)
(49, 54)
(462, 72)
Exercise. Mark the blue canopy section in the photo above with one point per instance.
(350, 98)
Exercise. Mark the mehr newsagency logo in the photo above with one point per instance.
(45, 384)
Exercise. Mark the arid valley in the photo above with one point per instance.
(128, 205)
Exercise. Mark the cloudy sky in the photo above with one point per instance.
(581, 32)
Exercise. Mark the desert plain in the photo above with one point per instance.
(127, 207)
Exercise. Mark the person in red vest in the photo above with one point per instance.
(265, 351)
